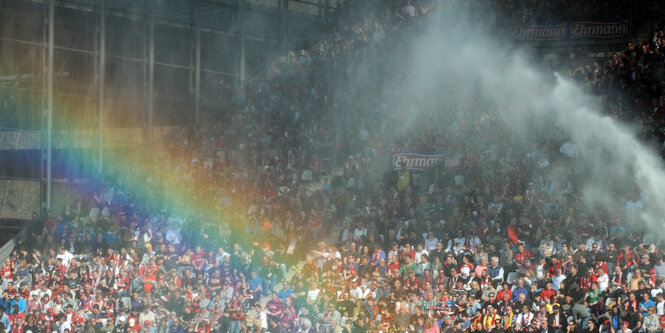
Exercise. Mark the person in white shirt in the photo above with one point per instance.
(547, 248)
(409, 10)
(465, 269)
(557, 279)
(64, 325)
(635, 204)
(369, 290)
(459, 243)
(592, 240)
(356, 291)
(65, 255)
(523, 320)
(657, 290)
(419, 252)
(262, 318)
(430, 242)
(624, 327)
(660, 268)
(313, 293)
(359, 232)
(173, 236)
(147, 314)
(473, 242)
(603, 280)
(660, 304)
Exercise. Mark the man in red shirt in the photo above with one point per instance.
(274, 308)
(547, 293)
(148, 276)
(199, 259)
(133, 326)
(522, 256)
(587, 279)
(18, 326)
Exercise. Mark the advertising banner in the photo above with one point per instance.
(524, 32)
(566, 31)
(586, 29)
(416, 161)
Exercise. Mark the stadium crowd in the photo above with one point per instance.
(219, 229)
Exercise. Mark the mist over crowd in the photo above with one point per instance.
(284, 212)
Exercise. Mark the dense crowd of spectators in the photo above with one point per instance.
(631, 83)
(546, 11)
(208, 232)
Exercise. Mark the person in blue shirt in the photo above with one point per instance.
(61, 229)
(4, 319)
(495, 270)
(474, 305)
(377, 256)
(254, 286)
(22, 304)
(4, 301)
(12, 305)
(615, 318)
(519, 289)
(645, 304)
(285, 292)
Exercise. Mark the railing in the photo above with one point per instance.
(6, 250)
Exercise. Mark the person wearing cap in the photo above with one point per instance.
(122, 317)
(87, 327)
(411, 282)
(148, 255)
(624, 327)
(108, 326)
